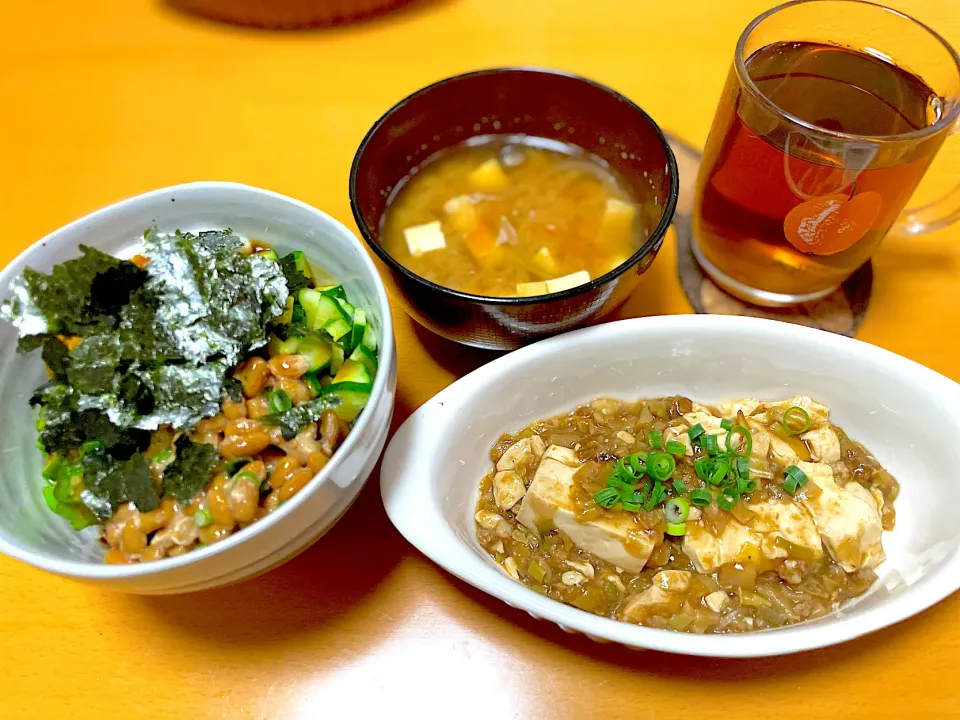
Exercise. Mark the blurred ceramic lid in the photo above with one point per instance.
(287, 14)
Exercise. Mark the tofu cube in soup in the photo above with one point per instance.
(568, 281)
(425, 238)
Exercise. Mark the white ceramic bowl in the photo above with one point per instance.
(30, 532)
(906, 414)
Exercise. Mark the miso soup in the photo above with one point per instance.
(511, 216)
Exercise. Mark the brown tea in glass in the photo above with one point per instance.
(815, 150)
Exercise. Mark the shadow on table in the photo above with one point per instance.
(319, 586)
(455, 358)
(661, 664)
(299, 15)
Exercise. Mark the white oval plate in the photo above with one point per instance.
(907, 415)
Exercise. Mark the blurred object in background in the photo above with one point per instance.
(287, 14)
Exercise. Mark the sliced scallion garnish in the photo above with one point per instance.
(607, 497)
(701, 497)
(660, 466)
(677, 529)
(796, 420)
(677, 510)
(278, 401)
(747, 445)
(656, 439)
(675, 447)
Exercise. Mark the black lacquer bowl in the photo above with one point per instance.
(528, 101)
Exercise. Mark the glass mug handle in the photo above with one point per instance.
(934, 215)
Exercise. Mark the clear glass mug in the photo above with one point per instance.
(791, 200)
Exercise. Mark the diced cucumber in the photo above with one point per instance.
(336, 362)
(336, 291)
(353, 372)
(359, 327)
(52, 467)
(366, 357)
(347, 307)
(353, 398)
(322, 309)
(276, 346)
(370, 338)
(269, 254)
(317, 351)
(302, 263)
(286, 316)
(336, 328)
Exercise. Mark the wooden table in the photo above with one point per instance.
(105, 99)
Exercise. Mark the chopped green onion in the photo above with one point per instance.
(674, 447)
(703, 468)
(701, 497)
(679, 487)
(743, 466)
(660, 466)
(629, 505)
(747, 440)
(607, 497)
(791, 485)
(636, 463)
(742, 485)
(677, 510)
(50, 470)
(751, 486)
(278, 401)
(720, 470)
(796, 420)
(616, 481)
(247, 476)
(202, 517)
(234, 466)
(93, 446)
(799, 475)
(677, 529)
(726, 501)
(314, 382)
(163, 456)
(710, 445)
(695, 432)
(726, 423)
(659, 494)
(656, 439)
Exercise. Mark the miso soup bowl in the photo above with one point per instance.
(31, 533)
(904, 413)
(515, 101)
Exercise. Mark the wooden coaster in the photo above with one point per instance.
(840, 312)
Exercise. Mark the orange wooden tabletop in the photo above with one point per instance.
(103, 99)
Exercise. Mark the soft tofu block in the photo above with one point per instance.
(823, 443)
(568, 281)
(488, 177)
(665, 591)
(787, 521)
(528, 289)
(847, 518)
(424, 238)
(819, 414)
(461, 213)
(708, 552)
(618, 218)
(549, 498)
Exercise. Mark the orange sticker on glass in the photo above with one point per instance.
(832, 223)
